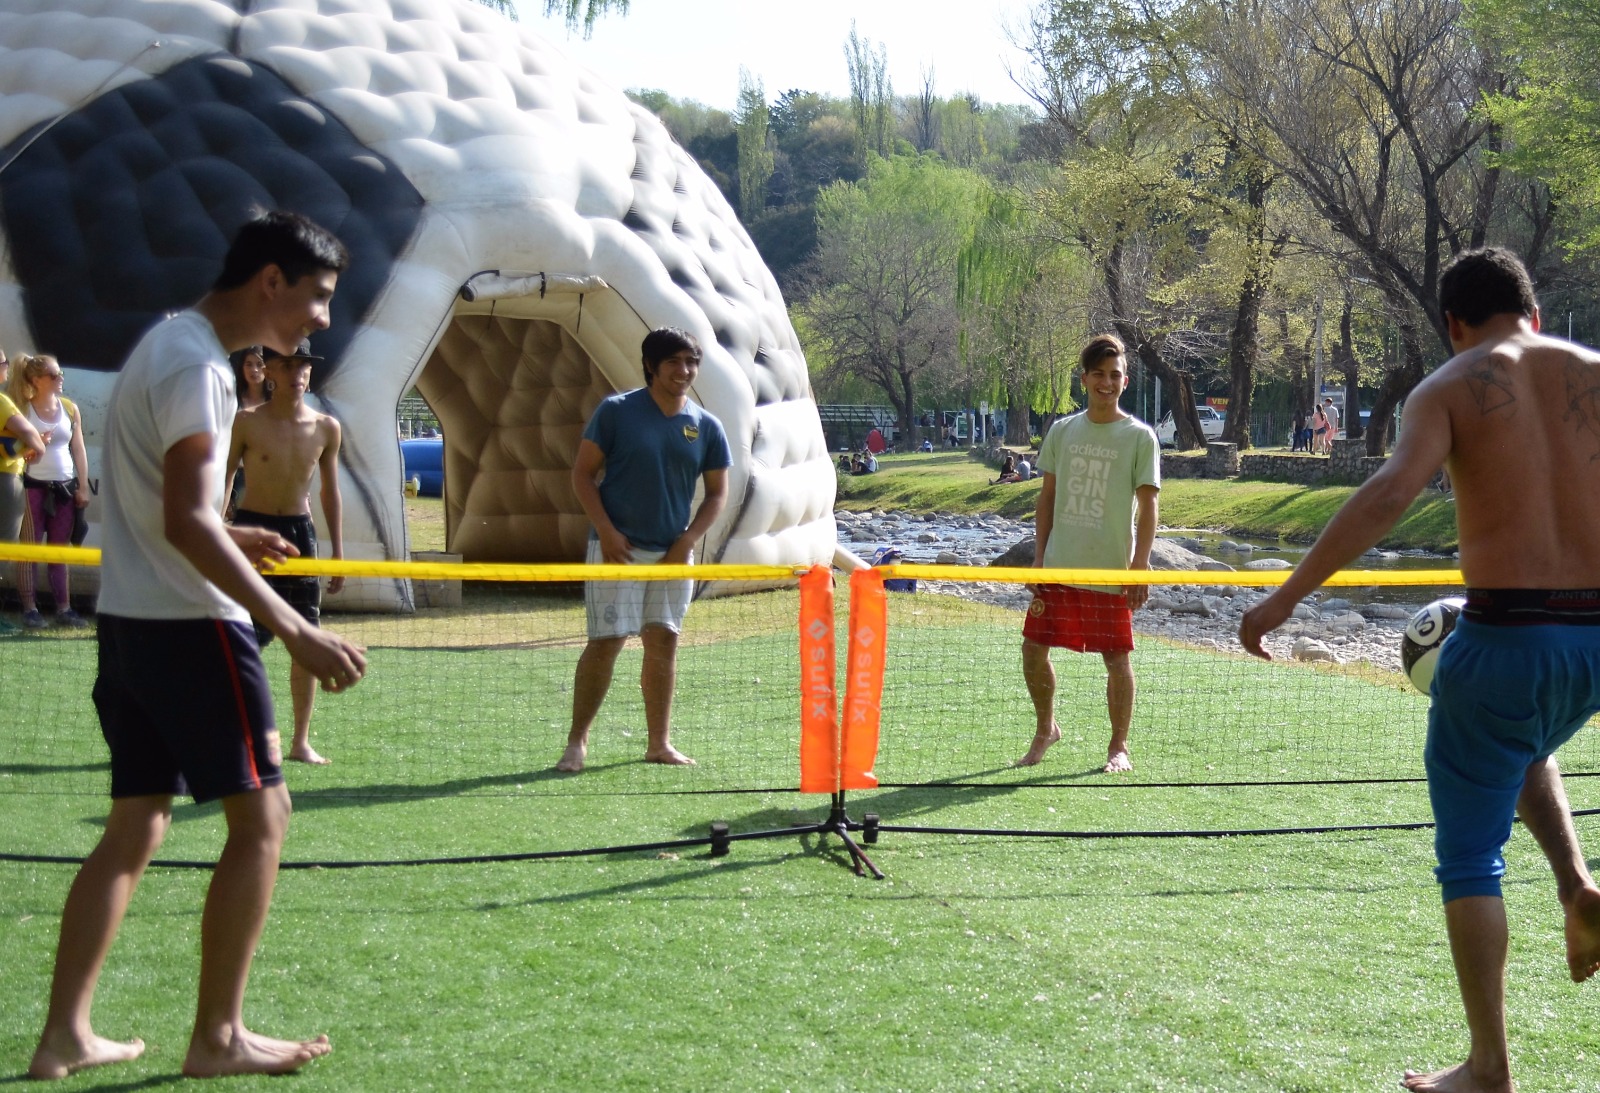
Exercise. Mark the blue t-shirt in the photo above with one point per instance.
(653, 463)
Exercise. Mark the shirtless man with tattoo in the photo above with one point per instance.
(1513, 416)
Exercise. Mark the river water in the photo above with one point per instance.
(979, 540)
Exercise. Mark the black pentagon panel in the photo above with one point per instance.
(123, 210)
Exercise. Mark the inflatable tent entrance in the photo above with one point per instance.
(513, 381)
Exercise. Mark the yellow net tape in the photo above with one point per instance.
(507, 571)
(469, 571)
(1349, 578)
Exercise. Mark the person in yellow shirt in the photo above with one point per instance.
(20, 443)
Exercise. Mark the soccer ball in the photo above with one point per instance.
(1419, 649)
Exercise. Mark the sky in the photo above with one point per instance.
(692, 49)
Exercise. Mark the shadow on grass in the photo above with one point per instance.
(154, 1081)
(637, 887)
(54, 768)
(892, 805)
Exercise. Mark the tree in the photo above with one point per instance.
(1022, 303)
(1370, 107)
(1124, 193)
(750, 122)
(579, 14)
(882, 304)
(871, 97)
(1551, 112)
(924, 115)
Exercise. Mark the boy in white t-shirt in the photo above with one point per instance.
(183, 701)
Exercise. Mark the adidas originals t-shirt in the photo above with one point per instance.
(1098, 469)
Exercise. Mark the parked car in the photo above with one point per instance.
(1211, 423)
(1366, 421)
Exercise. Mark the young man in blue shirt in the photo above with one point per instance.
(638, 464)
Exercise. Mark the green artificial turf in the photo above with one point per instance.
(1263, 962)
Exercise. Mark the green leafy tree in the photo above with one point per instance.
(1551, 111)
(1126, 191)
(751, 123)
(1023, 301)
(882, 306)
(871, 96)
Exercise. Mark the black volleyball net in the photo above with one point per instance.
(467, 704)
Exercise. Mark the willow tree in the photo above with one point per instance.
(579, 14)
(1024, 314)
(883, 288)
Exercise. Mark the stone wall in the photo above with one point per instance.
(1349, 464)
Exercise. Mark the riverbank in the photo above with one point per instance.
(951, 483)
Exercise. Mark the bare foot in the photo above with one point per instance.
(60, 1054)
(1118, 761)
(248, 1052)
(1455, 1079)
(1583, 933)
(308, 754)
(1041, 744)
(572, 759)
(669, 755)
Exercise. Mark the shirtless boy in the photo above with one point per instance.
(1515, 417)
(183, 702)
(279, 444)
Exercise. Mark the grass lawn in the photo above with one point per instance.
(952, 482)
(1304, 962)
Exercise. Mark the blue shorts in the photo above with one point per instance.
(1504, 697)
(185, 707)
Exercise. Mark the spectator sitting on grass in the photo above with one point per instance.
(1008, 471)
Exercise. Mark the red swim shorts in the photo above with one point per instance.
(1066, 617)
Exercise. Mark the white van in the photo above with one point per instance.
(1211, 423)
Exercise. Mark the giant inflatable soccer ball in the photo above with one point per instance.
(516, 226)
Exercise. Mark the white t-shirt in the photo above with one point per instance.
(177, 384)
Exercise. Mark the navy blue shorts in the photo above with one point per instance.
(185, 708)
(304, 594)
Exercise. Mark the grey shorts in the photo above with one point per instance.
(618, 609)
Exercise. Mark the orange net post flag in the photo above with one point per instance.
(863, 691)
(819, 718)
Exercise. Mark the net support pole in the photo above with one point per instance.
(835, 754)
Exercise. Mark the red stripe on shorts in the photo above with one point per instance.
(238, 696)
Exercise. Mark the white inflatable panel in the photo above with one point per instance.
(524, 162)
